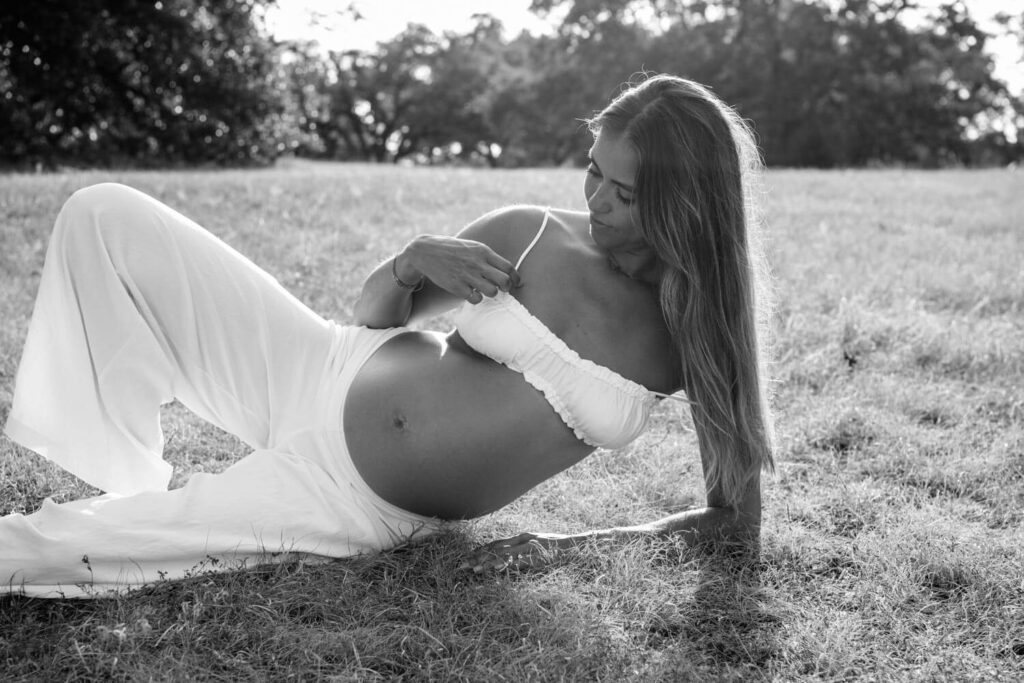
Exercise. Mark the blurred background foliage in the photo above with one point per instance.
(826, 83)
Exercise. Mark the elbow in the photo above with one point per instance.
(365, 314)
(360, 315)
(740, 531)
(737, 522)
(373, 324)
(740, 514)
(736, 526)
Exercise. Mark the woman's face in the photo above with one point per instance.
(610, 193)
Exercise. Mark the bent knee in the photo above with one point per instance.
(102, 194)
(104, 211)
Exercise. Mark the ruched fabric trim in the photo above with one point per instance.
(633, 400)
(552, 397)
(570, 356)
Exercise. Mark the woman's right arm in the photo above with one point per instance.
(388, 294)
(451, 270)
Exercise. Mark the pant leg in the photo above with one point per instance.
(268, 503)
(303, 496)
(138, 305)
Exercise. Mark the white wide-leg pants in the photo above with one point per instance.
(137, 306)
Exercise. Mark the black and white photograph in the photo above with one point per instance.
(512, 340)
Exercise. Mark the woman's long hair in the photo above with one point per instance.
(697, 161)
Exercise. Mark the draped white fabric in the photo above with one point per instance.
(137, 306)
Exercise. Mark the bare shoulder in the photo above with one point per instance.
(601, 314)
(506, 230)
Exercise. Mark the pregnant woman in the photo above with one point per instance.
(570, 326)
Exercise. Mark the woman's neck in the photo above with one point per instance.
(645, 268)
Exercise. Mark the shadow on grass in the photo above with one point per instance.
(409, 613)
(730, 611)
(727, 628)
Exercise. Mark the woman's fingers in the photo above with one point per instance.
(525, 551)
(468, 269)
(487, 284)
(506, 274)
(499, 277)
(491, 272)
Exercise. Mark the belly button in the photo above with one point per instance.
(398, 421)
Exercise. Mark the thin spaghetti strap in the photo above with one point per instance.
(529, 247)
(681, 399)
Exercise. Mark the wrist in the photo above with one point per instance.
(404, 273)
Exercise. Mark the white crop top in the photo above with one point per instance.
(603, 408)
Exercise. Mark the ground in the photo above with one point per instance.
(892, 547)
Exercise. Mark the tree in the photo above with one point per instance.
(418, 95)
(454, 122)
(825, 84)
(115, 81)
(560, 80)
(374, 105)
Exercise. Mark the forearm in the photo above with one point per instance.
(432, 274)
(719, 526)
(709, 524)
(382, 301)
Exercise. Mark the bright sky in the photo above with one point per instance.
(384, 19)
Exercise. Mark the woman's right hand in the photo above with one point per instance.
(466, 269)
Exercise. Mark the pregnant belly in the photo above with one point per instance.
(439, 430)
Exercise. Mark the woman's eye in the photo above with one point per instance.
(591, 170)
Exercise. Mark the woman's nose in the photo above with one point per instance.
(597, 202)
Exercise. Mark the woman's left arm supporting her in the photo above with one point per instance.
(717, 525)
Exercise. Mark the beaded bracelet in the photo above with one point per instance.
(398, 281)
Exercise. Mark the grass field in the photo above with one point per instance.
(892, 545)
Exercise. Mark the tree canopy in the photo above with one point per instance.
(133, 81)
(825, 83)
